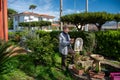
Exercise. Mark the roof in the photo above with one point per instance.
(36, 14)
(55, 25)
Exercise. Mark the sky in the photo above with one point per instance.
(51, 7)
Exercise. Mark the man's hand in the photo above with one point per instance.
(72, 41)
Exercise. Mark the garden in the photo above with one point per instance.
(42, 61)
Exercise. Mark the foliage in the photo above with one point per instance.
(42, 50)
(15, 37)
(78, 66)
(31, 7)
(44, 61)
(10, 23)
(108, 44)
(26, 64)
(24, 67)
(52, 73)
(10, 65)
(11, 13)
(5, 54)
(88, 40)
(15, 75)
(97, 18)
(117, 17)
(35, 24)
(105, 43)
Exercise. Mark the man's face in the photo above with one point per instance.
(66, 30)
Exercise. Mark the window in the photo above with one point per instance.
(40, 19)
(16, 18)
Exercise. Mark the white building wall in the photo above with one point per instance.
(21, 19)
(27, 18)
(51, 20)
(30, 18)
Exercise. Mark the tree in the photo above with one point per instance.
(72, 19)
(117, 19)
(11, 13)
(101, 18)
(38, 24)
(32, 7)
(97, 18)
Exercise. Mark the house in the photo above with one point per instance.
(29, 17)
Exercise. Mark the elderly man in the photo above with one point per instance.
(64, 45)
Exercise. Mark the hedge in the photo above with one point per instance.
(106, 43)
(88, 38)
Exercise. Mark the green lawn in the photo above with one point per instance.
(25, 70)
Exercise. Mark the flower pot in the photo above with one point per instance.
(79, 72)
(99, 75)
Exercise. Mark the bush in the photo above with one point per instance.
(42, 49)
(88, 38)
(10, 65)
(5, 53)
(108, 44)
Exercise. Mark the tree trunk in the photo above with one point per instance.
(99, 27)
(117, 25)
(79, 29)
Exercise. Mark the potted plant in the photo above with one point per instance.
(77, 58)
(85, 58)
(78, 69)
(95, 73)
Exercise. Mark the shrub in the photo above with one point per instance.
(88, 38)
(108, 44)
(5, 53)
(42, 50)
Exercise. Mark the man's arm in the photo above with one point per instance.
(62, 40)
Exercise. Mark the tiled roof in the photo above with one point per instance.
(55, 25)
(36, 14)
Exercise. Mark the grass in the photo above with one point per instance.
(25, 70)
(15, 75)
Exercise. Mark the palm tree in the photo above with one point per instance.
(32, 7)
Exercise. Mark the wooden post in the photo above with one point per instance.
(3, 20)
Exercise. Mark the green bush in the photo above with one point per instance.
(5, 56)
(10, 65)
(42, 50)
(88, 38)
(108, 44)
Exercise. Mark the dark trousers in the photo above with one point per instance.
(63, 60)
